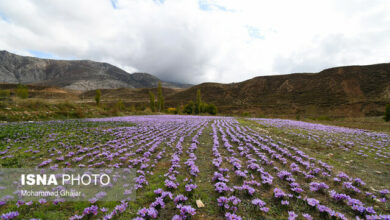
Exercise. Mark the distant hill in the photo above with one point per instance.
(340, 91)
(76, 75)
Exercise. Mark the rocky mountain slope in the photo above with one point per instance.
(77, 75)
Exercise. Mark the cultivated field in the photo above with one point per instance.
(194, 167)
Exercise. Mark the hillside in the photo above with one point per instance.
(340, 91)
(76, 75)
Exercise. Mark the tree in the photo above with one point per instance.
(152, 101)
(189, 108)
(22, 91)
(97, 96)
(178, 109)
(199, 107)
(198, 102)
(211, 109)
(162, 103)
(203, 107)
(160, 98)
(387, 112)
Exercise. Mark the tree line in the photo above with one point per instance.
(160, 104)
(199, 107)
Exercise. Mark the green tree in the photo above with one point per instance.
(198, 102)
(189, 108)
(178, 109)
(203, 107)
(22, 91)
(211, 109)
(387, 112)
(98, 96)
(152, 101)
(162, 103)
(160, 98)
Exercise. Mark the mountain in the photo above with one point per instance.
(340, 91)
(77, 74)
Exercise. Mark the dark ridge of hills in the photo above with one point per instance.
(76, 75)
(339, 91)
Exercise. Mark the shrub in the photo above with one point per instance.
(211, 109)
(189, 108)
(3, 105)
(199, 107)
(387, 112)
(172, 110)
(4, 94)
(323, 118)
(98, 96)
(79, 113)
(245, 114)
(22, 91)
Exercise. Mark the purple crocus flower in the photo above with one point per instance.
(10, 215)
(258, 202)
(190, 187)
(186, 210)
(91, 210)
(180, 198)
(307, 216)
(285, 202)
(292, 215)
(278, 193)
(231, 216)
(312, 202)
(383, 192)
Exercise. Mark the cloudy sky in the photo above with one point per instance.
(196, 41)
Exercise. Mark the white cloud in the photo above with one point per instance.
(207, 40)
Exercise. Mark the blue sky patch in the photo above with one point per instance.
(41, 54)
(3, 17)
(159, 1)
(114, 4)
(207, 6)
(254, 32)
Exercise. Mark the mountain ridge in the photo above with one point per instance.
(73, 74)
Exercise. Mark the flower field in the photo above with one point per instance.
(198, 167)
